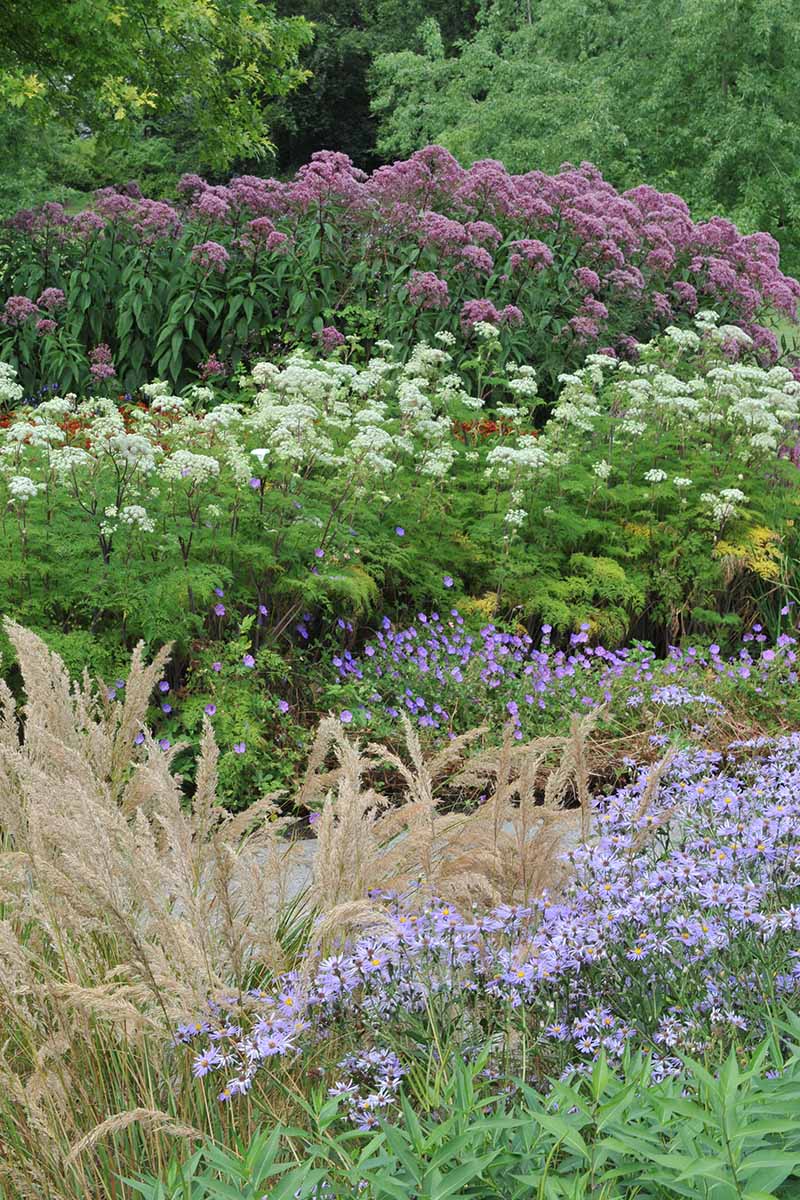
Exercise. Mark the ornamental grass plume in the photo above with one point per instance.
(509, 849)
(119, 907)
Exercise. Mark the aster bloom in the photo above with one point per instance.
(216, 666)
(210, 710)
(345, 716)
(209, 1060)
(283, 706)
(248, 660)
(219, 611)
(163, 686)
(239, 747)
(400, 531)
(666, 915)
(448, 581)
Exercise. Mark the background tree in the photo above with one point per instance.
(198, 74)
(697, 96)
(332, 110)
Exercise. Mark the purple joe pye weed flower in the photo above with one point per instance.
(17, 310)
(330, 338)
(446, 224)
(52, 298)
(212, 367)
(211, 256)
(102, 363)
(427, 290)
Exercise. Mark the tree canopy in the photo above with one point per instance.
(103, 67)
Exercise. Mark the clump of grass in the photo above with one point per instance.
(123, 907)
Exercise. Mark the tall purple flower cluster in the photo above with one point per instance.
(211, 256)
(427, 290)
(17, 310)
(575, 263)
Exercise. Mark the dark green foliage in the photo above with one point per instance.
(332, 110)
(703, 1134)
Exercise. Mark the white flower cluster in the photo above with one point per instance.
(167, 404)
(132, 450)
(183, 464)
(136, 517)
(517, 462)
(723, 503)
(522, 381)
(740, 408)
(515, 517)
(486, 331)
(22, 488)
(10, 391)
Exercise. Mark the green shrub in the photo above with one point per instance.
(607, 1134)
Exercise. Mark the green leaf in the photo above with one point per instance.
(455, 1180)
